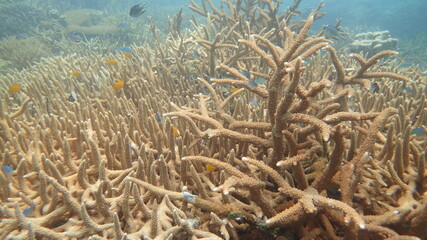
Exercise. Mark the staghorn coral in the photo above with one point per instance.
(22, 53)
(320, 153)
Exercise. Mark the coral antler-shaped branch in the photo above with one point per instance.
(361, 73)
(216, 128)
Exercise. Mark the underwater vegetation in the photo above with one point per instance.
(244, 126)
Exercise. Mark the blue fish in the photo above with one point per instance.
(159, 117)
(74, 37)
(188, 197)
(408, 90)
(195, 53)
(138, 10)
(21, 36)
(8, 170)
(254, 102)
(375, 88)
(260, 80)
(123, 49)
(419, 132)
(27, 212)
(245, 73)
(252, 84)
(131, 146)
(123, 25)
(406, 64)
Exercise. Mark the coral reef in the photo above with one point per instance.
(372, 43)
(89, 22)
(24, 52)
(192, 148)
(18, 17)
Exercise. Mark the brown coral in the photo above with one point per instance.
(111, 166)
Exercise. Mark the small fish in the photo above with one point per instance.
(252, 84)
(210, 167)
(128, 55)
(408, 90)
(8, 170)
(245, 73)
(254, 102)
(15, 88)
(424, 74)
(72, 97)
(27, 212)
(123, 49)
(406, 64)
(175, 132)
(419, 132)
(111, 61)
(159, 117)
(75, 74)
(260, 80)
(132, 146)
(118, 85)
(375, 88)
(188, 197)
(138, 10)
(332, 32)
(195, 53)
(123, 25)
(233, 90)
(21, 36)
(74, 37)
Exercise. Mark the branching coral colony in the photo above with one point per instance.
(307, 154)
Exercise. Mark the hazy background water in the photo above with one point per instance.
(404, 18)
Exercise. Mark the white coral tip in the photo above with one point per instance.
(362, 226)
(245, 159)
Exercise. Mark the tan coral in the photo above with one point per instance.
(110, 166)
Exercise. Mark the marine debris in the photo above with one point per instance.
(174, 153)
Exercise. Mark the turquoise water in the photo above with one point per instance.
(46, 19)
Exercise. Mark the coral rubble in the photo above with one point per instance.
(183, 152)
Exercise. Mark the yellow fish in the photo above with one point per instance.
(75, 73)
(118, 85)
(15, 88)
(111, 61)
(175, 132)
(128, 55)
(235, 90)
(210, 167)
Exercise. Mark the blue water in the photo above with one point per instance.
(401, 18)
(405, 20)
